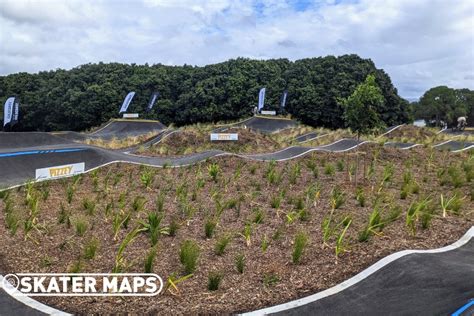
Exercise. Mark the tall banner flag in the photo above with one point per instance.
(283, 99)
(261, 99)
(16, 112)
(8, 111)
(152, 101)
(126, 102)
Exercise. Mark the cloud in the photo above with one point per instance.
(419, 43)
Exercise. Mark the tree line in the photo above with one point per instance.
(443, 105)
(91, 94)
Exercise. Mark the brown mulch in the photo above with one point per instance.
(59, 248)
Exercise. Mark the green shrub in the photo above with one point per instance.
(188, 255)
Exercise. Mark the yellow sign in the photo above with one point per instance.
(57, 172)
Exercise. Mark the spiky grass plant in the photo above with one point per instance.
(147, 176)
(340, 246)
(329, 169)
(138, 204)
(337, 197)
(173, 281)
(153, 227)
(173, 227)
(90, 249)
(121, 264)
(415, 211)
(89, 206)
(189, 255)
(80, 226)
(375, 222)
(299, 245)
(149, 260)
(214, 280)
(213, 170)
(258, 216)
(247, 234)
(222, 244)
(210, 227)
(240, 263)
(360, 196)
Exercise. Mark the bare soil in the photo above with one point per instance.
(269, 276)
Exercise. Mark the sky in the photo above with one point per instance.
(419, 43)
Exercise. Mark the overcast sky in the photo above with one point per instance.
(420, 43)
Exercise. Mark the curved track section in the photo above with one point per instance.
(262, 124)
(454, 146)
(410, 282)
(19, 166)
(401, 145)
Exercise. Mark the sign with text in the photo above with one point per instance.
(224, 136)
(60, 171)
(268, 112)
(130, 115)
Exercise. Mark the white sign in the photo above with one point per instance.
(130, 115)
(224, 136)
(60, 171)
(268, 112)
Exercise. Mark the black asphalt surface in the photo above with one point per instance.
(454, 145)
(11, 307)
(342, 145)
(399, 145)
(29, 139)
(306, 137)
(115, 129)
(416, 284)
(266, 125)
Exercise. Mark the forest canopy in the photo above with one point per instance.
(91, 94)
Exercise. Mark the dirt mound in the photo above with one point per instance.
(192, 141)
(411, 131)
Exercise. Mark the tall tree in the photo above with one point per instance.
(360, 108)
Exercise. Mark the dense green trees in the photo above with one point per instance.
(443, 104)
(91, 94)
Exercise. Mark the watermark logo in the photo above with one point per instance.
(83, 284)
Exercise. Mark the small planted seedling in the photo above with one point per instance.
(153, 227)
(81, 226)
(337, 198)
(247, 233)
(89, 206)
(360, 197)
(214, 280)
(329, 169)
(149, 259)
(221, 245)
(340, 247)
(188, 255)
(210, 227)
(90, 248)
(147, 177)
(265, 243)
(240, 263)
(300, 243)
(213, 170)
